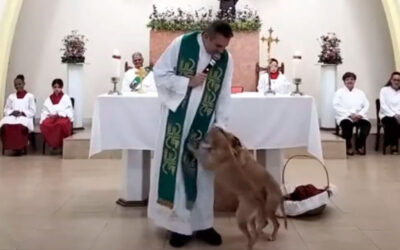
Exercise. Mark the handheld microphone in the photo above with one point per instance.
(213, 61)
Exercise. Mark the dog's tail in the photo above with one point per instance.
(283, 212)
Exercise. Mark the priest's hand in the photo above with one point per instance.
(354, 117)
(197, 80)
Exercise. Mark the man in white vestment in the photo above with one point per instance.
(193, 79)
(138, 75)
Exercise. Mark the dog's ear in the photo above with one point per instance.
(236, 142)
(191, 147)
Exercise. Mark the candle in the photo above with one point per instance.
(116, 64)
(296, 63)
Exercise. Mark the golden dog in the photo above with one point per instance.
(216, 154)
(263, 181)
(241, 174)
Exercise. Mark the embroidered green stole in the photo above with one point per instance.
(187, 66)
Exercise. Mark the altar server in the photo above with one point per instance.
(57, 116)
(17, 122)
(390, 111)
(279, 83)
(351, 107)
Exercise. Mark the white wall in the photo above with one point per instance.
(121, 24)
(2, 6)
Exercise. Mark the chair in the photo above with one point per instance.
(260, 69)
(237, 89)
(72, 126)
(127, 67)
(337, 132)
(379, 125)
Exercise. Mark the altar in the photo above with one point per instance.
(267, 124)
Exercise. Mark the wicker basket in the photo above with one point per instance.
(313, 205)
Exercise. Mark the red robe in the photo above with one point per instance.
(15, 136)
(55, 129)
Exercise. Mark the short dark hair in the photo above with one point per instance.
(57, 81)
(348, 75)
(273, 60)
(396, 73)
(20, 77)
(220, 27)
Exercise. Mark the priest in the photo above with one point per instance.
(193, 78)
(137, 75)
(18, 118)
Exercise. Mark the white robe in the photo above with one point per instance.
(62, 109)
(171, 91)
(148, 83)
(281, 85)
(26, 105)
(346, 102)
(390, 102)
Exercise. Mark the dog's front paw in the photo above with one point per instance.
(271, 237)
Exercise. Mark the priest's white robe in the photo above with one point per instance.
(26, 105)
(280, 85)
(129, 76)
(171, 91)
(346, 102)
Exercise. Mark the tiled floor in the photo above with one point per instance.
(52, 204)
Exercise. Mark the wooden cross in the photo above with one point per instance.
(269, 41)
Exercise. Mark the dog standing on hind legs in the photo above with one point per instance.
(259, 195)
(263, 180)
(216, 154)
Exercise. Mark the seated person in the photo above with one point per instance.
(138, 75)
(18, 118)
(279, 83)
(351, 107)
(390, 111)
(56, 117)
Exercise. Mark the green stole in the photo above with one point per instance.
(187, 66)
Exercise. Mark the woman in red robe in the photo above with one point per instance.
(57, 116)
(17, 122)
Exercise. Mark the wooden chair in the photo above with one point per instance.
(379, 126)
(237, 89)
(72, 128)
(127, 67)
(338, 130)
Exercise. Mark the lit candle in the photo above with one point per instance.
(116, 64)
(296, 62)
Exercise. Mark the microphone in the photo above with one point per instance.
(213, 61)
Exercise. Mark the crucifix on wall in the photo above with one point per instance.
(269, 40)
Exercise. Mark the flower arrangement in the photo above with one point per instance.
(330, 53)
(179, 20)
(74, 48)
